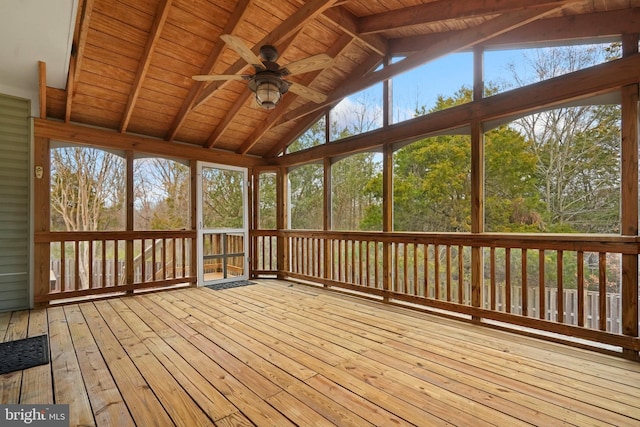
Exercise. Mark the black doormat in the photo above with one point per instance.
(229, 285)
(22, 354)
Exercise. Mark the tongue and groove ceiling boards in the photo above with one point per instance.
(132, 61)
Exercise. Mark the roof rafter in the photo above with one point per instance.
(591, 26)
(85, 8)
(441, 11)
(196, 89)
(463, 40)
(286, 29)
(154, 34)
(348, 23)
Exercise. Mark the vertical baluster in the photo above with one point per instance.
(143, 261)
(580, 284)
(541, 287)
(154, 271)
(415, 268)
(396, 283)
(360, 260)
(76, 267)
(173, 258)
(63, 267)
(525, 293)
(425, 289)
(602, 290)
(353, 261)
(375, 265)
(104, 263)
(461, 286)
(91, 281)
(115, 264)
(436, 270)
(507, 278)
(405, 270)
(339, 266)
(492, 266)
(448, 282)
(560, 295)
(164, 258)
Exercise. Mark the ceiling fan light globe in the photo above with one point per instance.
(267, 95)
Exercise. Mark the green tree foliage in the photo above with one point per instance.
(306, 183)
(267, 201)
(222, 198)
(432, 181)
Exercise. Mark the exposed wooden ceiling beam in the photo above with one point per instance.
(304, 14)
(112, 139)
(188, 104)
(547, 94)
(300, 128)
(441, 11)
(335, 50)
(589, 27)
(154, 34)
(85, 9)
(348, 23)
(464, 39)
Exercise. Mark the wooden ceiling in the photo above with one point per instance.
(132, 60)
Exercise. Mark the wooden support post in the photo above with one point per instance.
(129, 252)
(42, 74)
(282, 221)
(254, 219)
(387, 216)
(477, 183)
(42, 218)
(629, 179)
(193, 262)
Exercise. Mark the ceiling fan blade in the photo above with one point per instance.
(311, 63)
(215, 77)
(305, 92)
(243, 50)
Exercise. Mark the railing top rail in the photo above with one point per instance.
(72, 236)
(569, 242)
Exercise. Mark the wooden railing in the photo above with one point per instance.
(84, 264)
(580, 275)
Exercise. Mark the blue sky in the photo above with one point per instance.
(444, 76)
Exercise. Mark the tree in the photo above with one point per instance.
(87, 194)
(162, 194)
(577, 149)
(432, 180)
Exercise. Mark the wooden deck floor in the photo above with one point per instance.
(279, 354)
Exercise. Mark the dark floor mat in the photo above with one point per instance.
(229, 285)
(22, 354)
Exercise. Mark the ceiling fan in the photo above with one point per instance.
(267, 82)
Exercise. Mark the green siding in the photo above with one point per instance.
(14, 203)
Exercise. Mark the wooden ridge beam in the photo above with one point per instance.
(547, 94)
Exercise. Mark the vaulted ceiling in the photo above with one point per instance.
(132, 61)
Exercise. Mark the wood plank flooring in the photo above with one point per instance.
(277, 354)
